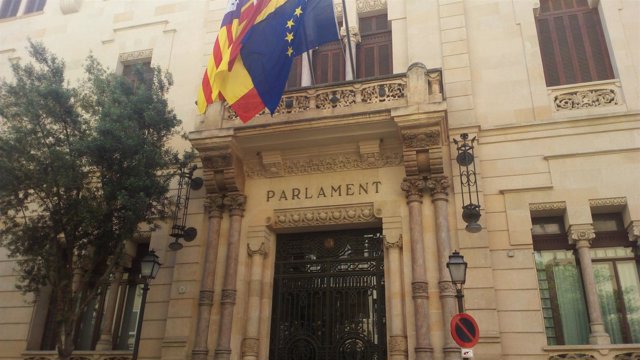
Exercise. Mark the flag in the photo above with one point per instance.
(239, 17)
(270, 45)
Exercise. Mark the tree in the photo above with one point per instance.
(81, 168)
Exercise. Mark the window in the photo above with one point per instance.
(9, 8)
(373, 55)
(138, 72)
(125, 320)
(572, 43)
(563, 303)
(374, 52)
(34, 6)
(617, 283)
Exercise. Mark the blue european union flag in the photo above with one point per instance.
(270, 45)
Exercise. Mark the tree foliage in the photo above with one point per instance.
(81, 167)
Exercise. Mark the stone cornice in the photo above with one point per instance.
(615, 201)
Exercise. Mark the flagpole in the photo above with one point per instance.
(346, 24)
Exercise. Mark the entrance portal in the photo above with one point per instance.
(328, 297)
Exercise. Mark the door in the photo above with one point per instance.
(328, 297)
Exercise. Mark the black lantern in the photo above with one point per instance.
(179, 229)
(458, 271)
(468, 182)
(149, 266)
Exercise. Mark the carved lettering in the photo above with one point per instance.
(327, 191)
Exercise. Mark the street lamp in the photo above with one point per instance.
(458, 271)
(149, 266)
(468, 182)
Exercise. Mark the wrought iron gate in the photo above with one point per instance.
(328, 297)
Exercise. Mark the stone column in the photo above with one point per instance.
(397, 337)
(214, 204)
(251, 343)
(439, 196)
(106, 328)
(582, 235)
(350, 41)
(633, 229)
(235, 203)
(414, 189)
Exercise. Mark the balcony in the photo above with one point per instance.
(418, 86)
(80, 355)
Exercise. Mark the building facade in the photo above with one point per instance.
(324, 231)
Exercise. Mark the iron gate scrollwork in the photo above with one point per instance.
(328, 297)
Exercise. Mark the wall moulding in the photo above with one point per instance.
(316, 217)
(548, 208)
(615, 201)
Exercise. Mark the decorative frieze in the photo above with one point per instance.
(635, 355)
(324, 165)
(421, 139)
(616, 201)
(548, 206)
(82, 355)
(327, 215)
(135, 55)
(572, 356)
(362, 6)
(585, 99)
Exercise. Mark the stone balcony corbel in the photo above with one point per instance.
(223, 171)
(422, 141)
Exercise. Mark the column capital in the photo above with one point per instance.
(235, 203)
(257, 248)
(634, 231)
(414, 188)
(438, 186)
(390, 243)
(214, 204)
(581, 234)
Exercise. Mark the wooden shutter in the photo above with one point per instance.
(572, 43)
(328, 63)
(374, 52)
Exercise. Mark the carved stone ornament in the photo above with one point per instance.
(420, 289)
(586, 99)
(228, 296)
(420, 139)
(413, 187)
(324, 165)
(235, 201)
(221, 160)
(393, 244)
(70, 6)
(135, 55)
(354, 34)
(617, 201)
(214, 204)
(222, 173)
(581, 233)
(548, 206)
(325, 215)
(256, 248)
(336, 96)
(628, 356)
(362, 6)
(634, 231)
(205, 297)
(398, 344)
(250, 346)
(438, 185)
(572, 356)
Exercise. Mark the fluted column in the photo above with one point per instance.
(214, 205)
(397, 337)
(414, 189)
(251, 341)
(236, 204)
(438, 186)
(106, 333)
(582, 235)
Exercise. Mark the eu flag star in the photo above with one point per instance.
(289, 51)
(289, 37)
(290, 24)
(298, 11)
